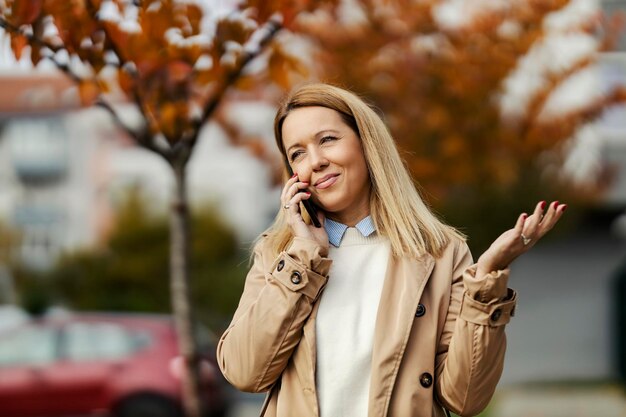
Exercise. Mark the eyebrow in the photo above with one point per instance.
(318, 134)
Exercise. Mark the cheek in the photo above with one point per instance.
(303, 171)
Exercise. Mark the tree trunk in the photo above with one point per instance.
(179, 283)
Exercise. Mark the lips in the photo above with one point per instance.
(326, 181)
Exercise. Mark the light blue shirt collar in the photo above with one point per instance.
(336, 230)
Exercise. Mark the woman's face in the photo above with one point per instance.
(327, 153)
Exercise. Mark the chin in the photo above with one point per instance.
(331, 207)
(333, 200)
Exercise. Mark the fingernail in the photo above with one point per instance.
(556, 204)
(307, 193)
(524, 215)
(295, 174)
(564, 207)
(543, 205)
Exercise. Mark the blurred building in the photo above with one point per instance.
(42, 196)
(63, 169)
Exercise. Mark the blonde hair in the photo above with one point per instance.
(406, 221)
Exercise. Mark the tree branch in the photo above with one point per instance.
(32, 38)
(143, 138)
(94, 15)
(273, 27)
(541, 97)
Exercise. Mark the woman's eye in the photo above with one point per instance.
(295, 155)
(328, 139)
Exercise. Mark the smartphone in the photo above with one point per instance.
(308, 205)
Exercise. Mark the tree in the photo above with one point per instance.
(442, 87)
(175, 63)
(129, 272)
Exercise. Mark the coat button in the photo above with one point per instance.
(496, 314)
(421, 310)
(426, 380)
(296, 278)
(281, 265)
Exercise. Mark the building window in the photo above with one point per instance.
(38, 149)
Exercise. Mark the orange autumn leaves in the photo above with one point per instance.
(169, 57)
(439, 87)
(289, 10)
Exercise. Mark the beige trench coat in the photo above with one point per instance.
(439, 337)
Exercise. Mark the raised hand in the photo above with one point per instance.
(518, 240)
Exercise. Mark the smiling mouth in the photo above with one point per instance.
(327, 182)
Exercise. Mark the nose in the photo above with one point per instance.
(317, 159)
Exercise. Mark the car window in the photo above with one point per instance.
(30, 345)
(94, 341)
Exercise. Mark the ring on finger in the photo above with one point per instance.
(286, 206)
(525, 240)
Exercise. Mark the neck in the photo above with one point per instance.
(350, 217)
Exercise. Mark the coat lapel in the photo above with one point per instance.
(404, 283)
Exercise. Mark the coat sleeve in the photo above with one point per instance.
(277, 299)
(470, 353)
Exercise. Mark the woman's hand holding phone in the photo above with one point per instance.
(293, 194)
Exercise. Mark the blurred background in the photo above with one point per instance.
(494, 104)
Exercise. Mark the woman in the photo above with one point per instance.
(380, 312)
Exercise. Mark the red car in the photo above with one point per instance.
(119, 365)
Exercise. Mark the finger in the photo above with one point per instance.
(519, 225)
(559, 211)
(549, 219)
(294, 203)
(298, 197)
(551, 212)
(533, 221)
(295, 187)
(288, 184)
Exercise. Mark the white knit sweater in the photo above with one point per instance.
(345, 323)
